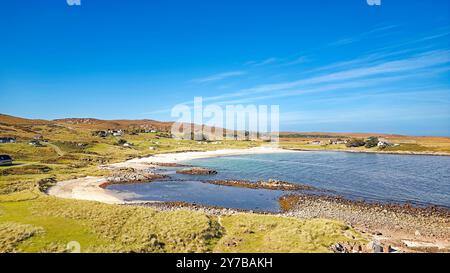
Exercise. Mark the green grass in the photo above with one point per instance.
(111, 228)
(26, 152)
(409, 148)
(12, 234)
(406, 144)
(260, 233)
(55, 232)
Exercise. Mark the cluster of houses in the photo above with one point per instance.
(120, 132)
(109, 132)
(330, 142)
(36, 141)
(380, 144)
(337, 141)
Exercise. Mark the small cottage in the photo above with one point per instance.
(5, 160)
(7, 140)
(117, 133)
(384, 144)
(35, 142)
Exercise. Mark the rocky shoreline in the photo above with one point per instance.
(131, 176)
(178, 205)
(197, 171)
(270, 184)
(168, 164)
(405, 227)
(387, 228)
(293, 201)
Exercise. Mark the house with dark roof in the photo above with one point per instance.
(35, 142)
(7, 140)
(5, 160)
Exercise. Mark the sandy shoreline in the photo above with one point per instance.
(371, 152)
(184, 156)
(86, 188)
(89, 188)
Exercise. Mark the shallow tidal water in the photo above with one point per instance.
(420, 180)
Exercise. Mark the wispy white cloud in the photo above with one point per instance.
(379, 31)
(298, 60)
(408, 65)
(293, 60)
(377, 70)
(414, 42)
(361, 84)
(220, 76)
(267, 61)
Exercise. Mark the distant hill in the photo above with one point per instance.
(332, 135)
(26, 128)
(23, 129)
(97, 124)
(11, 120)
(87, 123)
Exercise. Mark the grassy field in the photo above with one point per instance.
(406, 144)
(31, 221)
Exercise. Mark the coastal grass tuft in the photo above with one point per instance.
(12, 234)
(265, 233)
(113, 228)
(134, 229)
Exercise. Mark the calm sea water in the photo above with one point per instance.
(421, 180)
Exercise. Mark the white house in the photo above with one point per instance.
(384, 144)
(117, 133)
(35, 142)
(7, 140)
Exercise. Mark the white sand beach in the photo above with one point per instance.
(179, 157)
(86, 188)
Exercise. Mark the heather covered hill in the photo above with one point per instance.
(85, 130)
(11, 120)
(97, 124)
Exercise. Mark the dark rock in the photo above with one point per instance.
(197, 171)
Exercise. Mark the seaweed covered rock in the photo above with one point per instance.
(197, 171)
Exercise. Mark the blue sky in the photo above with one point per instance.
(333, 66)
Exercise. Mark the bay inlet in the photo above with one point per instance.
(384, 178)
